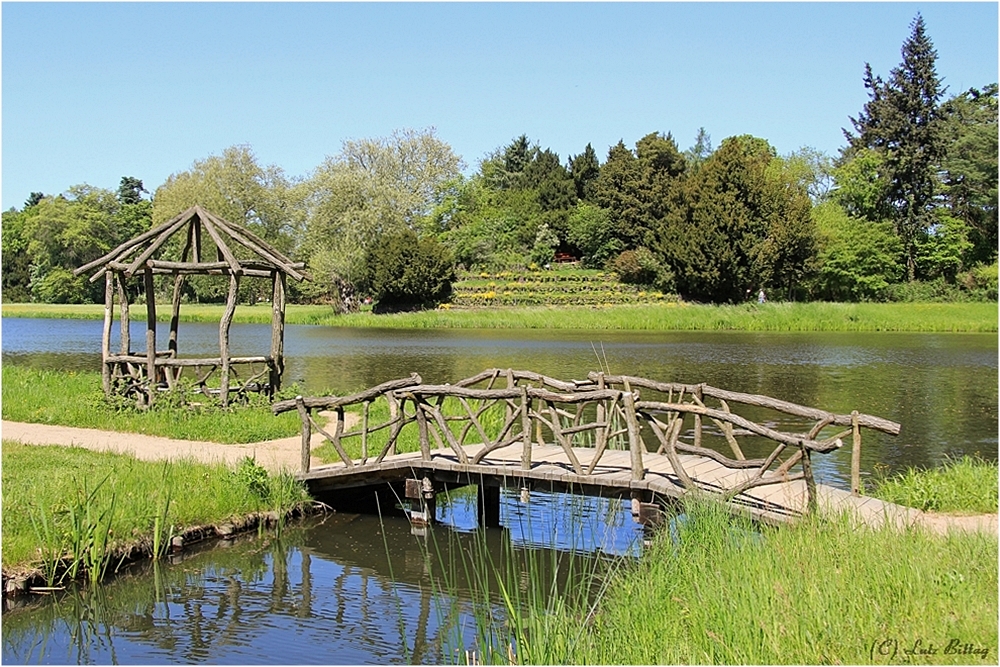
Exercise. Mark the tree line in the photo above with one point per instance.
(907, 210)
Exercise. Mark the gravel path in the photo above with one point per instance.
(275, 455)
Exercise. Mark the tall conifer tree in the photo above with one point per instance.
(901, 121)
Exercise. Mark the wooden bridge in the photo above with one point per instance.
(608, 435)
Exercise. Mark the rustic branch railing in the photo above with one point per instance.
(600, 413)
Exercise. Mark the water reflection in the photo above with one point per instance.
(338, 589)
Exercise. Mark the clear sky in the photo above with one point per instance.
(92, 92)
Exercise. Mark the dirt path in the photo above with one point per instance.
(275, 455)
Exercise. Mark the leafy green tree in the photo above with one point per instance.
(901, 122)
(372, 188)
(742, 225)
(402, 271)
(857, 259)
(15, 273)
(590, 231)
(970, 167)
(235, 186)
(860, 188)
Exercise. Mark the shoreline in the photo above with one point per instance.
(927, 317)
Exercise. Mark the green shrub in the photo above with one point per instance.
(403, 272)
(640, 267)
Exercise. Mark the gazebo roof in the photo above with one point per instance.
(138, 253)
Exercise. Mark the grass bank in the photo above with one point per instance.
(76, 399)
(966, 485)
(67, 510)
(668, 316)
(712, 590)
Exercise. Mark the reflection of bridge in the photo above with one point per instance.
(598, 436)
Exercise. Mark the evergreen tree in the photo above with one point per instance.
(901, 122)
(585, 168)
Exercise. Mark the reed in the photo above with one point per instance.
(715, 590)
(49, 503)
(76, 399)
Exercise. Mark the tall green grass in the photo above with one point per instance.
(76, 399)
(670, 316)
(72, 503)
(714, 591)
(967, 484)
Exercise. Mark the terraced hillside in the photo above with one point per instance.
(560, 287)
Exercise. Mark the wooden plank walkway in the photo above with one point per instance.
(551, 468)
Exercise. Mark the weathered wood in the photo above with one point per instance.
(262, 250)
(778, 436)
(697, 396)
(132, 243)
(224, 324)
(278, 331)
(175, 314)
(525, 429)
(364, 432)
(855, 454)
(150, 331)
(163, 359)
(109, 314)
(123, 318)
(306, 422)
(635, 444)
(868, 421)
(221, 246)
(330, 402)
(727, 432)
(667, 445)
(425, 445)
(338, 432)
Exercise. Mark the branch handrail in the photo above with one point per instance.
(534, 404)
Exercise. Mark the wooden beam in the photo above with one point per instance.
(150, 332)
(153, 247)
(109, 316)
(265, 252)
(234, 264)
(224, 324)
(278, 331)
(132, 243)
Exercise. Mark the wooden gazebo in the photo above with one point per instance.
(142, 376)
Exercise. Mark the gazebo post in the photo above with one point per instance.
(109, 316)
(277, 330)
(227, 319)
(150, 333)
(124, 324)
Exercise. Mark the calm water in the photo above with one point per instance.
(354, 589)
(339, 589)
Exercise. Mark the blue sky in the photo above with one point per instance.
(95, 91)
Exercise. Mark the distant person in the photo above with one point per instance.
(761, 297)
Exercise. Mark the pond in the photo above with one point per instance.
(942, 388)
(335, 589)
(361, 589)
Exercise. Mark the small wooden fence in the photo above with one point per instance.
(475, 417)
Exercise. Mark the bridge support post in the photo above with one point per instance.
(488, 506)
(421, 494)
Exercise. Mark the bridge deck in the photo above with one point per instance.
(775, 503)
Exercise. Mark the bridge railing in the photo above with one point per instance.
(501, 408)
